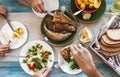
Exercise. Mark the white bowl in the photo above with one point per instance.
(65, 67)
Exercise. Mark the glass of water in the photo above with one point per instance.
(115, 6)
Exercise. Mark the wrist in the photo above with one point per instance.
(93, 72)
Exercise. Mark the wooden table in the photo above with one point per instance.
(9, 66)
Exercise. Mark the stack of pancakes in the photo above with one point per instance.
(110, 42)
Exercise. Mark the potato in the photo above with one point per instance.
(16, 35)
(86, 2)
(96, 4)
(91, 5)
(82, 6)
(92, 1)
(19, 31)
(79, 2)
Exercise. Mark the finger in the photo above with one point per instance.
(46, 73)
(39, 9)
(2, 54)
(41, 6)
(39, 73)
(76, 48)
(35, 8)
(4, 46)
(72, 48)
(80, 46)
(4, 50)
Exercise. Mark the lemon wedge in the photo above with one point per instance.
(86, 35)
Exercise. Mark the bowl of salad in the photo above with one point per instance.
(38, 55)
(69, 64)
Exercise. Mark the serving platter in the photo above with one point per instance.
(62, 43)
(25, 50)
(95, 15)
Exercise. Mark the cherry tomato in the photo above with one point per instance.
(45, 55)
(31, 67)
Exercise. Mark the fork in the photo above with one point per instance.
(63, 7)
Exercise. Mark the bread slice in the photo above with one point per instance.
(108, 45)
(109, 41)
(109, 49)
(113, 34)
(110, 53)
(61, 18)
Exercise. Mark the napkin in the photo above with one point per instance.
(114, 22)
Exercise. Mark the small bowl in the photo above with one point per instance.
(87, 10)
(86, 44)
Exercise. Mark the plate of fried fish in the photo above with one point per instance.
(58, 28)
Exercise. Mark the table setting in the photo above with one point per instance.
(50, 34)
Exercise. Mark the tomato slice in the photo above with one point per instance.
(45, 55)
(31, 67)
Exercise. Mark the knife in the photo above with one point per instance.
(10, 24)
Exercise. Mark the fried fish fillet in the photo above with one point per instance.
(59, 27)
(61, 18)
(55, 36)
(66, 54)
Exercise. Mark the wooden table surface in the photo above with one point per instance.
(9, 66)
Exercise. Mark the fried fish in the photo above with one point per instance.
(66, 54)
(55, 36)
(59, 27)
(61, 18)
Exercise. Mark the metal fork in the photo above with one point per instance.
(63, 7)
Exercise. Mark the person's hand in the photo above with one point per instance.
(3, 11)
(4, 49)
(38, 6)
(45, 72)
(84, 60)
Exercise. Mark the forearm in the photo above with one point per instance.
(93, 72)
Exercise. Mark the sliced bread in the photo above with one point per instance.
(108, 45)
(110, 53)
(109, 49)
(113, 34)
(109, 41)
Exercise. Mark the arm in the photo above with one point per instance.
(84, 60)
(3, 11)
(38, 6)
(3, 49)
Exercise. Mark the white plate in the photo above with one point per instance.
(16, 43)
(49, 6)
(24, 53)
(65, 67)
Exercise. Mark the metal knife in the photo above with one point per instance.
(10, 24)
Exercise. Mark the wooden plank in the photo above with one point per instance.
(13, 69)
